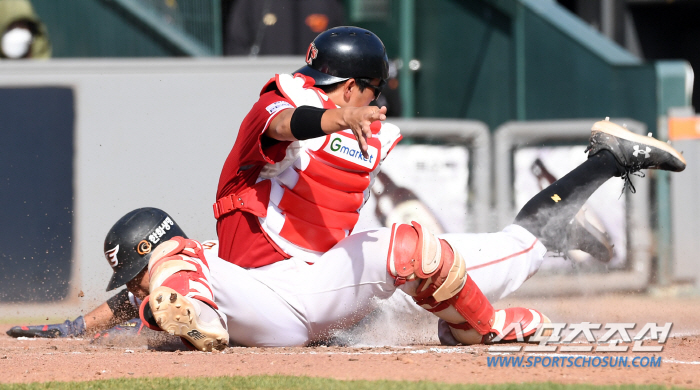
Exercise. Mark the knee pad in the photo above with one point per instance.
(417, 254)
(179, 264)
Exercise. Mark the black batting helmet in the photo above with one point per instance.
(343, 53)
(131, 240)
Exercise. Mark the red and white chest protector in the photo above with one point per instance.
(316, 192)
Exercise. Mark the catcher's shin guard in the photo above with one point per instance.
(443, 287)
(181, 299)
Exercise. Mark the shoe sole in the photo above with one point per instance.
(176, 315)
(618, 131)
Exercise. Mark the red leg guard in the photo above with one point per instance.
(429, 252)
(416, 254)
(472, 304)
(427, 287)
(180, 297)
(404, 239)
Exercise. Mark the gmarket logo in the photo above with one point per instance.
(557, 337)
(346, 148)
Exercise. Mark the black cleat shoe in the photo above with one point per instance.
(587, 234)
(634, 151)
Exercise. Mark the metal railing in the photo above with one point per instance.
(636, 275)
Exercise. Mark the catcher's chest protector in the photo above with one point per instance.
(317, 191)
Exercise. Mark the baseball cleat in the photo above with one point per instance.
(634, 151)
(515, 324)
(586, 233)
(526, 322)
(194, 321)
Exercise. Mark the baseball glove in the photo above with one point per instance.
(66, 329)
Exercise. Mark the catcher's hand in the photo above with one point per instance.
(66, 329)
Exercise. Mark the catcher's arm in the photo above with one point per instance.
(116, 310)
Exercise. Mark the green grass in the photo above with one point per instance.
(277, 382)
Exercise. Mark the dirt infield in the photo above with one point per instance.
(33, 360)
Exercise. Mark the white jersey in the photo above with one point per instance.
(293, 303)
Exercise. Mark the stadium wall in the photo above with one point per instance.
(145, 132)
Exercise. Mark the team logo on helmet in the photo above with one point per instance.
(111, 256)
(144, 247)
(311, 53)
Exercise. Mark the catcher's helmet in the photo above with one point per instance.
(131, 240)
(343, 53)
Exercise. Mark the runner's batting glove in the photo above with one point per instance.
(66, 329)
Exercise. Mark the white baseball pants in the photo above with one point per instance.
(292, 303)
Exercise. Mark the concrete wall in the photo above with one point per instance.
(147, 133)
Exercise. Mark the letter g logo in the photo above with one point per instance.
(335, 144)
